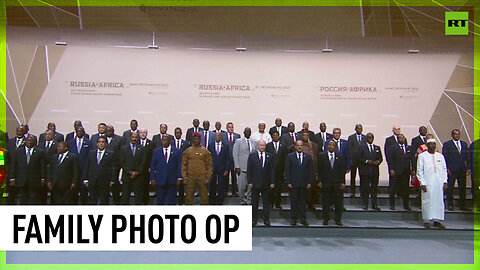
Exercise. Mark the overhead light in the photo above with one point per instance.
(153, 47)
(327, 50)
(61, 43)
(413, 51)
(241, 49)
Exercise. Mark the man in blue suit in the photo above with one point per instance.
(165, 172)
(343, 149)
(221, 166)
(456, 155)
(230, 137)
(260, 179)
(299, 174)
(81, 146)
(331, 177)
(181, 145)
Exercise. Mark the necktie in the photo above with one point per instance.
(218, 148)
(19, 141)
(48, 145)
(359, 138)
(300, 159)
(205, 138)
(195, 130)
(424, 139)
(133, 150)
(261, 159)
(459, 148)
(231, 139)
(143, 143)
(79, 145)
(166, 155)
(279, 129)
(276, 147)
(99, 157)
(403, 149)
(28, 155)
(178, 144)
(60, 158)
(338, 145)
(248, 143)
(331, 160)
(293, 138)
(371, 148)
(323, 137)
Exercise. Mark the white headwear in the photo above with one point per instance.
(431, 141)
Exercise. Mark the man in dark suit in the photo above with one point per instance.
(289, 138)
(331, 178)
(27, 133)
(148, 146)
(218, 127)
(369, 160)
(63, 175)
(230, 137)
(114, 143)
(456, 155)
(73, 134)
(207, 135)
(399, 160)
(57, 137)
(28, 172)
(157, 138)
(342, 149)
(126, 133)
(299, 174)
(305, 129)
(190, 131)
(102, 128)
(80, 146)
(475, 175)
(99, 173)
(278, 152)
(181, 145)
(12, 145)
(221, 166)
(420, 139)
(323, 136)
(354, 141)
(260, 179)
(132, 161)
(166, 172)
(389, 141)
(49, 147)
(278, 128)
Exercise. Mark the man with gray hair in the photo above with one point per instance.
(432, 174)
(241, 149)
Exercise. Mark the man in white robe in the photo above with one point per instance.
(432, 174)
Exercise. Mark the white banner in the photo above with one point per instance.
(126, 228)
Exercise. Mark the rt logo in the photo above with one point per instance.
(456, 23)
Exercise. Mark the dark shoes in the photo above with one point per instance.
(376, 208)
(325, 223)
(439, 225)
(365, 208)
(304, 223)
(427, 225)
(392, 208)
(339, 223)
(293, 223)
(450, 208)
(267, 224)
(408, 208)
